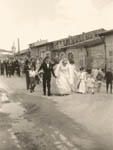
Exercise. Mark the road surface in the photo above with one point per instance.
(30, 121)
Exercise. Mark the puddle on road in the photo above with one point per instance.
(15, 110)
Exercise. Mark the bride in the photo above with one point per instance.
(62, 83)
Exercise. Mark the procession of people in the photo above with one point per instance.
(59, 76)
(9, 67)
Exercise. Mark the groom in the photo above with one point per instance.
(47, 71)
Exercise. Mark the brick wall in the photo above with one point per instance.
(34, 52)
(98, 55)
(109, 50)
(79, 56)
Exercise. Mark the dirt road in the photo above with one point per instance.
(33, 122)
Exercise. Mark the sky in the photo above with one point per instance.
(32, 20)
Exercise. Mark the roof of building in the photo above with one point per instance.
(87, 43)
(93, 34)
(107, 32)
(43, 44)
(24, 51)
(90, 42)
(3, 50)
(38, 43)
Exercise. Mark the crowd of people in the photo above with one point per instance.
(67, 78)
(10, 67)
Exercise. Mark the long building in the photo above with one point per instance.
(5, 53)
(90, 49)
(23, 54)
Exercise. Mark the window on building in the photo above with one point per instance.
(81, 38)
(87, 53)
(81, 63)
(81, 50)
(110, 53)
(64, 42)
(67, 41)
(111, 61)
(48, 54)
(74, 40)
(77, 39)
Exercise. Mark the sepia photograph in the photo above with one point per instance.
(56, 74)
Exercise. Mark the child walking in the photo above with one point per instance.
(90, 82)
(32, 75)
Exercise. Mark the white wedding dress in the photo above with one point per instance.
(82, 83)
(62, 82)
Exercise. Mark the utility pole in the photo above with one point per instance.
(105, 56)
(13, 48)
(105, 50)
(18, 40)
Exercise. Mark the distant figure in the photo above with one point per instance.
(90, 83)
(82, 81)
(2, 67)
(9, 68)
(17, 67)
(99, 80)
(13, 67)
(95, 72)
(26, 71)
(109, 79)
(73, 74)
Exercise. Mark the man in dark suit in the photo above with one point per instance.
(17, 67)
(2, 67)
(109, 78)
(26, 71)
(47, 71)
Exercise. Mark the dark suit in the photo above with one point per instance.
(48, 70)
(109, 78)
(26, 71)
(2, 68)
(9, 69)
(17, 67)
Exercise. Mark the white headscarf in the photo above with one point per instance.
(60, 65)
